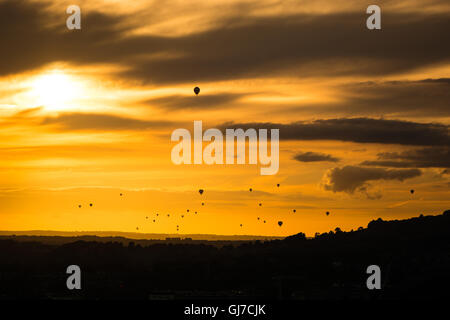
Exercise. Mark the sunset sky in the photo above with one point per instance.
(88, 114)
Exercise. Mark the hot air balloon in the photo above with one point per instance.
(251, 189)
(187, 210)
(241, 225)
(79, 206)
(121, 194)
(90, 204)
(182, 216)
(280, 223)
(201, 191)
(260, 204)
(264, 221)
(203, 203)
(327, 213)
(168, 215)
(146, 217)
(137, 228)
(294, 211)
(258, 218)
(157, 214)
(412, 191)
(278, 185)
(154, 220)
(195, 212)
(197, 90)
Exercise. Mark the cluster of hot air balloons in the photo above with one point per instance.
(280, 223)
(201, 191)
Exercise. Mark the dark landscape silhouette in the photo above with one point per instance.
(413, 254)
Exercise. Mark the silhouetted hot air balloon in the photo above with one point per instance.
(182, 216)
(146, 217)
(264, 221)
(120, 194)
(250, 189)
(195, 212)
(168, 215)
(280, 223)
(90, 204)
(258, 218)
(241, 225)
(154, 220)
(79, 206)
(137, 228)
(260, 204)
(201, 191)
(278, 185)
(187, 210)
(294, 211)
(197, 90)
(327, 213)
(412, 191)
(203, 203)
(157, 214)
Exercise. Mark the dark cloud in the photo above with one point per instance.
(36, 36)
(429, 97)
(436, 157)
(210, 101)
(90, 121)
(362, 130)
(440, 80)
(314, 157)
(352, 178)
(325, 45)
(241, 47)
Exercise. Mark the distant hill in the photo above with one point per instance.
(97, 235)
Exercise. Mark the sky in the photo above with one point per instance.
(87, 115)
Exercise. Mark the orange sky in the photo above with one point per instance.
(87, 114)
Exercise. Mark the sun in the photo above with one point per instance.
(55, 90)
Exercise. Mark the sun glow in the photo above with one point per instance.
(55, 90)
